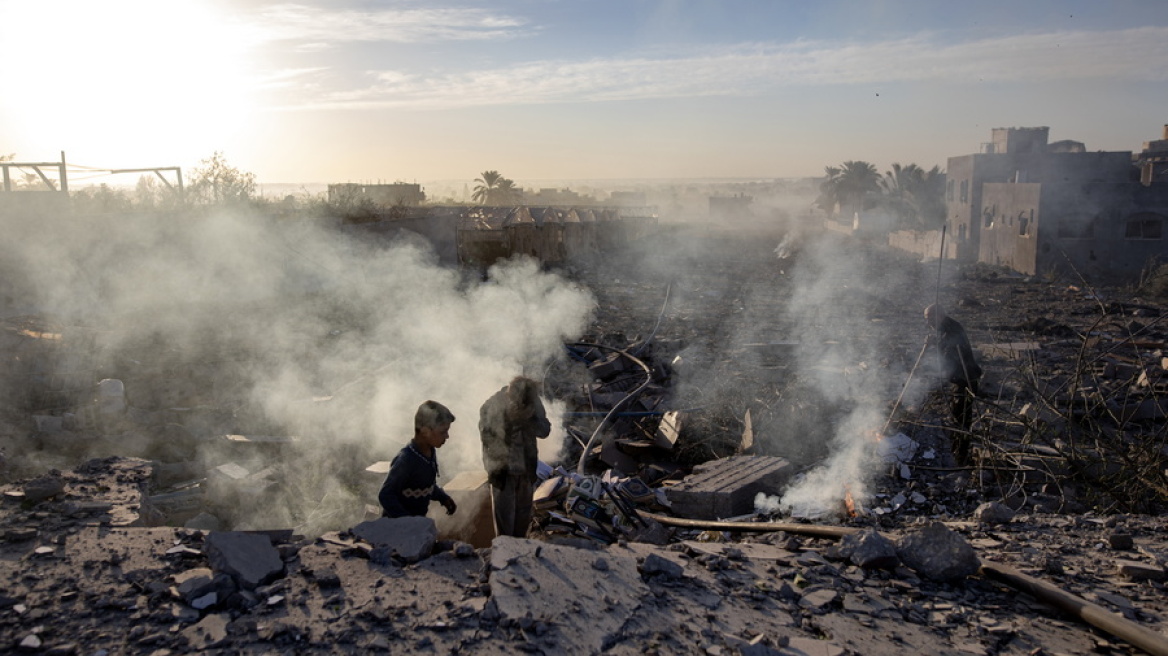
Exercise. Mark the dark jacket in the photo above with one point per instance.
(410, 485)
(509, 434)
(958, 364)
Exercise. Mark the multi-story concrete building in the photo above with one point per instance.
(1038, 207)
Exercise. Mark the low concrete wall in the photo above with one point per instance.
(927, 244)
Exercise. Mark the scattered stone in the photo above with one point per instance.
(410, 538)
(660, 565)
(1121, 541)
(42, 488)
(869, 549)
(1137, 571)
(938, 553)
(993, 512)
(249, 558)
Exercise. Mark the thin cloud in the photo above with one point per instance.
(317, 26)
(755, 69)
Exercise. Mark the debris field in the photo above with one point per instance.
(757, 462)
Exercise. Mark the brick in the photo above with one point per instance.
(727, 487)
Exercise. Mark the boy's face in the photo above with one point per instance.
(434, 437)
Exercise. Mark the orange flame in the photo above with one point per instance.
(849, 502)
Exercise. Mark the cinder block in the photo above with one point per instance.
(727, 487)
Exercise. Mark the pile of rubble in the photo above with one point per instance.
(655, 531)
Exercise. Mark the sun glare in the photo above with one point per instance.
(138, 82)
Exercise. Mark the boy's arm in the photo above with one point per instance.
(441, 497)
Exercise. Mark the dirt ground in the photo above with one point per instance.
(819, 345)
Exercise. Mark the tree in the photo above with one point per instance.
(494, 189)
(915, 195)
(846, 186)
(215, 182)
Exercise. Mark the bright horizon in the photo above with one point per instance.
(540, 90)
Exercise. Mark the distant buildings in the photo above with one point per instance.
(398, 193)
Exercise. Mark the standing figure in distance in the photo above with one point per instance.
(412, 482)
(960, 369)
(509, 424)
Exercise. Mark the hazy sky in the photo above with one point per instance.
(348, 90)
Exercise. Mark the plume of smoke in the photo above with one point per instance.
(843, 356)
(306, 331)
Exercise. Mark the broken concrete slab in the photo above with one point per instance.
(249, 558)
(727, 487)
(581, 596)
(411, 538)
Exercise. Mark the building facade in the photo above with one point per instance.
(1038, 208)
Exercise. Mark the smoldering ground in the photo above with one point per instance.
(825, 311)
(289, 328)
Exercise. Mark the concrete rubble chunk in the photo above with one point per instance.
(1121, 541)
(869, 549)
(727, 487)
(1137, 571)
(250, 559)
(993, 512)
(656, 564)
(411, 538)
(194, 583)
(43, 488)
(539, 583)
(938, 553)
(818, 599)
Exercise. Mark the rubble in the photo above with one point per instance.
(642, 547)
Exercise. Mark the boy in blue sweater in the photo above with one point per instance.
(412, 483)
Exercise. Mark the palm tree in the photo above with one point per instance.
(847, 185)
(484, 191)
(506, 193)
(494, 189)
(828, 197)
(916, 195)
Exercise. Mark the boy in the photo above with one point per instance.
(411, 483)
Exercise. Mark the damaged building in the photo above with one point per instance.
(1041, 208)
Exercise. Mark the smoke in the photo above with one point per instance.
(296, 329)
(843, 312)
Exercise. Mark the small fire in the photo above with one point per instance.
(849, 502)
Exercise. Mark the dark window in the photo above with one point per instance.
(965, 191)
(1145, 225)
(1023, 225)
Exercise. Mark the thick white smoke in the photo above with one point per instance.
(839, 310)
(311, 332)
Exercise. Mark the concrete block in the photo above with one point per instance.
(727, 487)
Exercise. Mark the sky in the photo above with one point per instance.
(363, 91)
